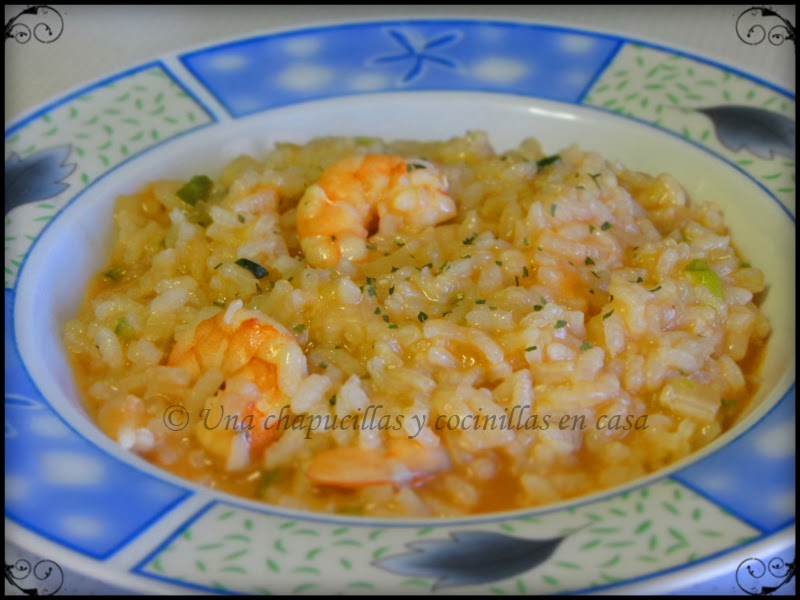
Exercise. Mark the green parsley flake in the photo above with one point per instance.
(547, 160)
(123, 329)
(116, 273)
(256, 269)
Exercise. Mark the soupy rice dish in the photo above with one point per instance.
(418, 328)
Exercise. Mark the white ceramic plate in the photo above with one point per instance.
(71, 493)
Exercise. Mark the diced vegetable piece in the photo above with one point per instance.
(198, 188)
(702, 274)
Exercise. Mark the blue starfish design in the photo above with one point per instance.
(420, 53)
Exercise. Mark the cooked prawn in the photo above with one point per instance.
(362, 195)
(402, 462)
(262, 365)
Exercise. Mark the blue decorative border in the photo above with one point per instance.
(426, 56)
(61, 485)
(340, 60)
(763, 469)
(103, 83)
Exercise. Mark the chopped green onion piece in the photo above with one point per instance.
(299, 328)
(470, 239)
(422, 317)
(589, 261)
(553, 210)
(655, 289)
(606, 226)
(198, 188)
(560, 323)
(393, 326)
(537, 307)
(585, 346)
(703, 274)
(256, 269)
(413, 166)
(240, 217)
(480, 301)
(332, 400)
(530, 348)
(608, 314)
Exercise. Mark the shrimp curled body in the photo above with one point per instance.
(260, 365)
(401, 463)
(359, 196)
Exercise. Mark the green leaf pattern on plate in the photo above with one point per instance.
(665, 88)
(104, 128)
(628, 535)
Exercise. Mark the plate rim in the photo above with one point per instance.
(163, 61)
